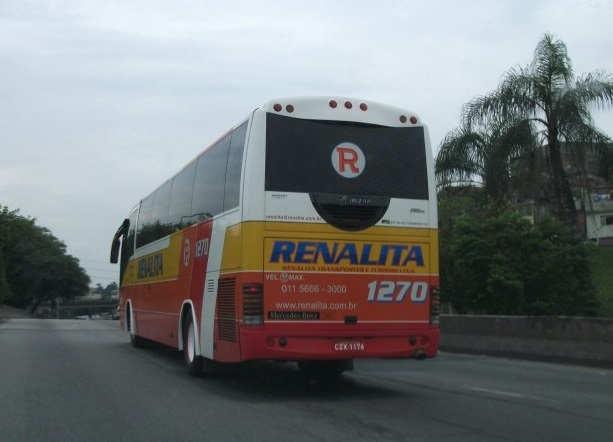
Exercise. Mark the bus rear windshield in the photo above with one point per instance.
(300, 156)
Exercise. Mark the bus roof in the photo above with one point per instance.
(342, 109)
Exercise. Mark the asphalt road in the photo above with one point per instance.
(70, 380)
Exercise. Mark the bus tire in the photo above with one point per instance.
(192, 361)
(135, 340)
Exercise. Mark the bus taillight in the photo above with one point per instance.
(435, 305)
(253, 303)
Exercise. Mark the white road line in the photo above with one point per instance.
(511, 394)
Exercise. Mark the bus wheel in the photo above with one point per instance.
(135, 340)
(193, 362)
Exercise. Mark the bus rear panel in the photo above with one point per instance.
(349, 245)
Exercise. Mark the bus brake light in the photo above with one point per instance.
(253, 303)
(435, 305)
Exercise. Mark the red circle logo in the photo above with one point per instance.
(348, 160)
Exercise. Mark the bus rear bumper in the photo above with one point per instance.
(260, 344)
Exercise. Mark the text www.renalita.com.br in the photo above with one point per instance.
(316, 305)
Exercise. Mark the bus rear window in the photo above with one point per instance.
(300, 156)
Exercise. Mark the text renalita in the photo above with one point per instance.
(150, 266)
(346, 253)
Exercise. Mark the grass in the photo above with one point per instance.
(601, 262)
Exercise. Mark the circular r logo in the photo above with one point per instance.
(186, 247)
(348, 160)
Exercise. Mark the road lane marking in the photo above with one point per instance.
(511, 394)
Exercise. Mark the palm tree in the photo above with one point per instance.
(483, 157)
(547, 94)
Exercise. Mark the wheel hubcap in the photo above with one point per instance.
(191, 344)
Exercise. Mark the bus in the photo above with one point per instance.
(307, 233)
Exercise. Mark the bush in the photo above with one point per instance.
(601, 259)
(503, 265)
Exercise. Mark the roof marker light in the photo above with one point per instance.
(277, 107)
(348, 104)
(403, 119)
(363, 106)
(333, 104)
(413, 119)
(289, 108)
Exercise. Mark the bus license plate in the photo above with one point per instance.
(349, 346)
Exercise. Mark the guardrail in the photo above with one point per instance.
(551, 338)
(71, 308)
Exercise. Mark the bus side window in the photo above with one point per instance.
(145, 219)
(180, 211)
(233, 171)
(209, 183)
(153, 220)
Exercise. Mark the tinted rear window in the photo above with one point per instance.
(299, 158)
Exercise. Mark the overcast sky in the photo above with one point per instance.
(101, 101)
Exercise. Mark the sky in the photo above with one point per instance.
(103, 100)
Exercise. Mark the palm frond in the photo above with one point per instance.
(594, 88)
(458, 160)
(468, 156)
(514, 96)
(551, 66)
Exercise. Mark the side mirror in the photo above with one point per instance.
(116, 245)
(115, 250)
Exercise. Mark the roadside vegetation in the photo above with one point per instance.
(513, 144)
(601, 264)
(498, 263)
(34, 265)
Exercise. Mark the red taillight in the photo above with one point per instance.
(435, 305)
(279, 107)
(403, 119)
(253, 303)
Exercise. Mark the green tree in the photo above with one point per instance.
(35, 265)
(503, 265)
(483, 157)
(481, 266)
(12, 227)
(547, 93)
(558, 273)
